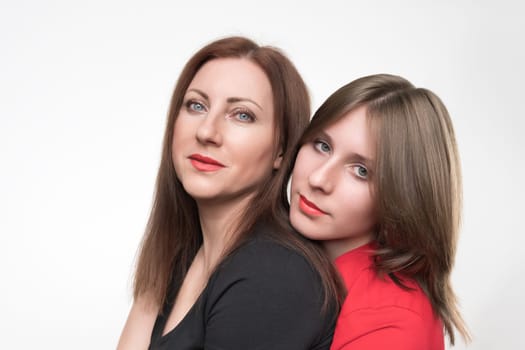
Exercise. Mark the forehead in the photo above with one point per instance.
(353, 133)
(233, 77)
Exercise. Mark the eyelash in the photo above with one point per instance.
(355, 169)
(318, 144)
(190, 104)
(238, 111)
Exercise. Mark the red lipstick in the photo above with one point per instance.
(205, 164)
(309, 208)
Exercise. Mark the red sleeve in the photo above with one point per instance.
(388, 327)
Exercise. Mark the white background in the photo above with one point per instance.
(84, 91)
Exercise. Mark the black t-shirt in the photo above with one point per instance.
(263, 296)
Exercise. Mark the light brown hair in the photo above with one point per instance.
(173, 234)
(416, 183)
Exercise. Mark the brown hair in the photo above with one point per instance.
(173, 234)
(416, 183)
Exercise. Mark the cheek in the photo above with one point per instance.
(253, 150)
(358, 205)
(182, 131)
(178, 128)
(304, 165)
(180, 136)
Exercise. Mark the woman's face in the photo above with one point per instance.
(331, 191)
(223, 139)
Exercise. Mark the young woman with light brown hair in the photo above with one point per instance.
(220, 266)
(377, 179)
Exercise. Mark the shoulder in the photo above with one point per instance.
(372, 291)
(269, 262)
(367, 289)
(266, 283)
(377, 312)
(387, 327)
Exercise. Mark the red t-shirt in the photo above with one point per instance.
(378, 314)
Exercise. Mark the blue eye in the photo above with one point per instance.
(361, 172)
(322, 146)
(244, 116)
(195, 106)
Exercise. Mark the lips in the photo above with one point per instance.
(309, 208)
(205, 164)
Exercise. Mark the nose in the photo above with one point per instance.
(208, 131)
(322, 178)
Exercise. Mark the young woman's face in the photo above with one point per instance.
(223, 139)
(331, 191)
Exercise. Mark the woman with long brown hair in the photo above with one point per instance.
(220, 266)
(377, 179)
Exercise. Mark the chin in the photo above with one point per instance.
(198, 193)
(298, 222)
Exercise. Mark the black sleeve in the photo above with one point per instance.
(266, 297)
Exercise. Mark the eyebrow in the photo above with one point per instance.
(199, 92)
(356, 157)
(229, 99)
(243, 99)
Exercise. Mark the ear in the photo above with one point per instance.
(277, 162)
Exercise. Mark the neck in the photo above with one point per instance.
(219, 223)
(337, 247)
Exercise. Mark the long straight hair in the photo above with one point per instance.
(416, 184)
(173, 234)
